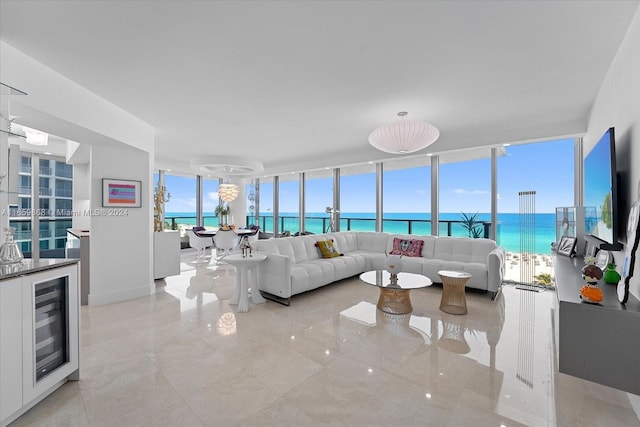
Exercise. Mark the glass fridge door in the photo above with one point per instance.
(51, 325)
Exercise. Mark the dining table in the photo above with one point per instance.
(240, 232)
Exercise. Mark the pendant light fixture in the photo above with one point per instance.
(404, 136)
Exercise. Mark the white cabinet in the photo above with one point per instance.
(166, 254)
(39, 337)
(10, 347)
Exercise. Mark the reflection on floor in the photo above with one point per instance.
(184, 357)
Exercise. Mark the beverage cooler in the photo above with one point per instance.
(51, 325)
(50, 329)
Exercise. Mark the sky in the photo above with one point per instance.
(546, 168)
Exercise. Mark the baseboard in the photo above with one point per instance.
(124, 295)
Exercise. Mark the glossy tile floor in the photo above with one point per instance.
(184, 357)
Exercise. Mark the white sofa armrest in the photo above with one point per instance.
(495, 270)
(275, 275)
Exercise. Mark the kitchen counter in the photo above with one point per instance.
(30, 266)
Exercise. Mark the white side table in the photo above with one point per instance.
(244, 266)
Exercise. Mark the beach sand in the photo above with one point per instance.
(531, 265)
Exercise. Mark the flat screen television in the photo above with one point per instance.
(601, 190)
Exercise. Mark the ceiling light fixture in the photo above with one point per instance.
(228, 192)
(404, 136)
(35, 137)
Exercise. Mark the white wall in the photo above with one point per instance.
(120, 258)
(618, 105)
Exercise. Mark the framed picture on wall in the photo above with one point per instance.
(120, 193)
(566, 245)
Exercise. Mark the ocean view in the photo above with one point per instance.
(508, 234)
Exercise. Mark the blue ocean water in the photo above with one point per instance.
(508, 233)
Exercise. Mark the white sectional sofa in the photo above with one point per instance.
(294, 264)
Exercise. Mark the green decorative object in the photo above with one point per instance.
(611, 276)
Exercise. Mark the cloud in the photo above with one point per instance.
(470, 192)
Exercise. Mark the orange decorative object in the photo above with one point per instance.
(591, 293)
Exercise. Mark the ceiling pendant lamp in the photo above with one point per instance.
(404, 136)
(228, 192)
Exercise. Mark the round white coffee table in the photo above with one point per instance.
(244, 267)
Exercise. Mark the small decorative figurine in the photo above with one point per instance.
(611, 276)
(246, 247)
(590, 292)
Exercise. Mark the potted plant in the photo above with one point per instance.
(472, 224)
(222, 211)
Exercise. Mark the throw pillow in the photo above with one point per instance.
(407, 247)
(327, 250)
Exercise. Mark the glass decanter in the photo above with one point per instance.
(9, 250)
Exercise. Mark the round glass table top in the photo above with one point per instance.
(382, 279)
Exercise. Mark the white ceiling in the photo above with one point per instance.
(300, 85)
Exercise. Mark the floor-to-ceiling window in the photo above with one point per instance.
(55, 204)
(318, 197)
(407, 196)
(264, 205)
(180, 210)
(289, 203)
(210, 201)
(546, 168)
(465, 193)
(358, 197)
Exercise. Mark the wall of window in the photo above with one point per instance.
(465, 194)
(318, 197)
(358, 198)
(407, 196)
(180, 210)
(289, 206)
(210, 201)
(55, 208)
(265, 204)
(546, 168)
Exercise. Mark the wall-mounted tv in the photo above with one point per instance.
(601, 190)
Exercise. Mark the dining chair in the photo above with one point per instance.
(199, 243)
(226, 241)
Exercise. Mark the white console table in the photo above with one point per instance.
(597, 342)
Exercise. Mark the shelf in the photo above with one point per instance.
(11, 134)
(9, 90)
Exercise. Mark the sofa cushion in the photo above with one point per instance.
(372, 241)
(327, 249)
(407, 247)
(267, 246)
(463, 249)
(344, 242)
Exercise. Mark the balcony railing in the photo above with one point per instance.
(44, 170)
(43, 191)
(319, 225)
(64, 192)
